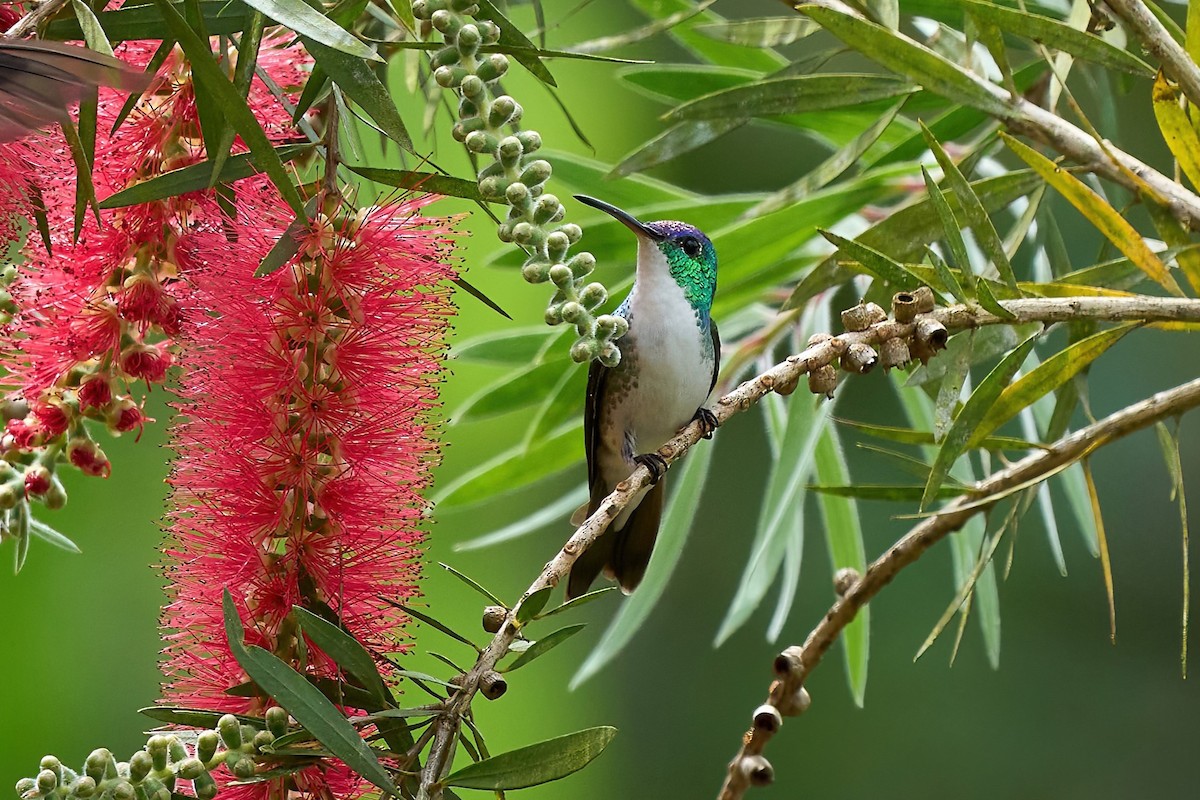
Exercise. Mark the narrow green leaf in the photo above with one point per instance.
(973, 211)
(829, 169)
(196, 717)
(673, 532)
(358, 80)
(508, 348)
(760, 31)
(430, 182)
(512, 392)
(165, 48)
(85, 189)
(789, 95)
(947, 276)
(345, 651)
(844, 538)
(243, 75)
(685, 16)
(51, 536)
(1170, 447)
(906, 57)
(1048, 376)
(1105, 559)
(144, 21)
(536, 764)
(1058, 35)
(892, 493)
(881, 266)
(428, 620)
(558, 511)
(675, 141)
(972, 412)
(511, 36)
(950, 390)
(531, 606)
(213, 80)
(983, 292)
(93, 31)
(911, 436)
(1106, 219)
(404, 13)
(543, 646)
(304, 702)
(289, 241)
(951, 233)
(474, 584)
(308, 22)
(515, 467)
(194, 178)
(581, 600)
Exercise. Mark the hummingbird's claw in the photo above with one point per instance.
(708, 422)
(655, 463)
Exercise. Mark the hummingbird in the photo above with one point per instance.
(39, 80)
(668, 368)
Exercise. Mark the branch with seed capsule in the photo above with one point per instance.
(787, 695)
(914, 330)
(534, 220)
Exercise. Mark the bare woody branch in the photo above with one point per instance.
(1176, 62)
(27, 23)
(1026, 118)
(793, 666)
(783, 378)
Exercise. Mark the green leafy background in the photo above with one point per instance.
(1066, 715)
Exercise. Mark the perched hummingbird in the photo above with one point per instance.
(668, 368)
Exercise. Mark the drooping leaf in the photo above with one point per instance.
(510, 35)
(474, 584)
(358, 80)
(304, 702)
(211, 77)
(972, 413)
(844, 538)
(673, 532)
(789, 95)
(144, 21)
(194, 178)
(515, 467)
(1105, 559)
(1170, 447)
(345, 651)
(543, 646)
(529, 607)
(52, 537)
(430, 182)
(430, 620)
(581, 600)
(902, 55)
(196, 717)
(1058, 35)
(911, 436)
(536, 764)
(1109, 222)
(760, 31)
(1048, 376)
(1176, 128)
(973, 212)
(308, 22)
(881, 266)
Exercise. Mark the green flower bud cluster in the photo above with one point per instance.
(151, 773)
(8, 306)
(517, 177)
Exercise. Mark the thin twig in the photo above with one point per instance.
(796, 663)
(1155, 38)
(331, 145)
(31, 20)
(782, 376)
(1029, 119)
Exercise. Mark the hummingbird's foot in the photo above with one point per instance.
(655, 463)
(708, 422)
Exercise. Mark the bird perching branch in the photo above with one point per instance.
(1157, 40)
(31, 20)
(919, 330)
(787, 694)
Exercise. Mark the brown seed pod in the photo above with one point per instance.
(823, 380)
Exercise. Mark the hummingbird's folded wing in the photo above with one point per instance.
(40, 80)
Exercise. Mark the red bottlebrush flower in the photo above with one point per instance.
(146, 362)
(305, 444)
(95, 392)
(87, 456)
(23, 435)
(37, 481)
(52, 417)
(125, 415)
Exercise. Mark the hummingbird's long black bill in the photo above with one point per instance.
(624, 217)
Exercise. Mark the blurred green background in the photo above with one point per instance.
(1068, 715)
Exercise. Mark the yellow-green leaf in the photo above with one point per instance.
(1045, 378)
(1176, 129)
(1109, 222)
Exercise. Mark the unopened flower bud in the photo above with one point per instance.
(449, 76)
(277, 721)
(536, 271)
(206, 745)
(537, 172)
(157, 747)
(204, 786)
(140, 765)
(230, 730)
(468, 39)
(47, 782)
(123, 790)
(582, 264)
(593, 295)
(85, 787)
(553, 316)
(523, 233)
(547, 210)
(517, 194)
(492, 68)
(501, 112)
(480, 141)
(557, 245)
(561, 275)
(445, 21)
(573, 312)
(25, 787)
(190, 768)
(531, 141)
(583, 350)
(610, 355)
(37, 480)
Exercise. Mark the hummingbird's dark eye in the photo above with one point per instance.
(691, 246)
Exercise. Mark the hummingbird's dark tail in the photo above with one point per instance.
(622, 553)
(38, 80)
